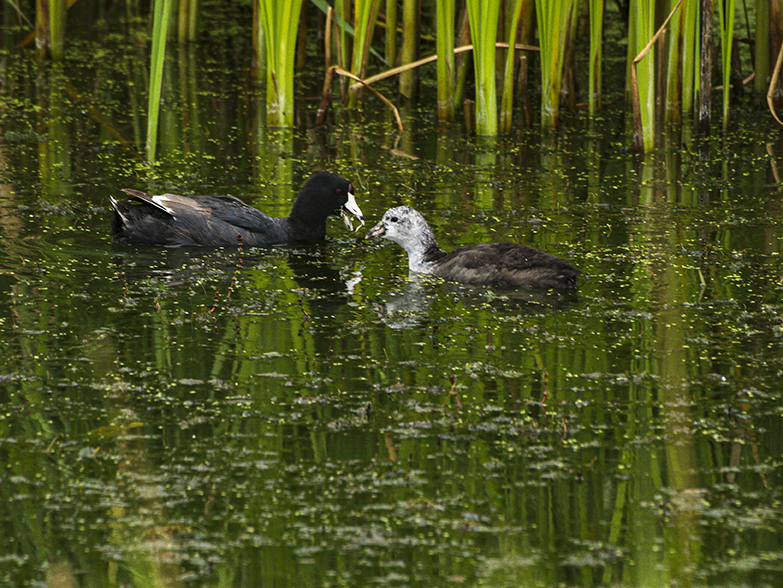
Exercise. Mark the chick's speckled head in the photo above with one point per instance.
(406, 227)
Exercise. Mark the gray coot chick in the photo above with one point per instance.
(172, 220)
(496, 264)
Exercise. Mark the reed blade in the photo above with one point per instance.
(280, 23)
(554, 18)
(483, 18)
(726, 19)
(507, 98)
(160, 25)
(445, 16)
(596, 54)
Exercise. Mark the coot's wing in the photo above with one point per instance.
(472, 264)
(165, 202)
(527, 267)
(235, 212)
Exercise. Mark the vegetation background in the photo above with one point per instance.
(681, 54)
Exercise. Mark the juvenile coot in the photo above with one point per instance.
(498, 264)
(173, 220)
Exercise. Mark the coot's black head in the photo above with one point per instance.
(325, 194)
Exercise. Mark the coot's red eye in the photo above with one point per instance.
(339, 191)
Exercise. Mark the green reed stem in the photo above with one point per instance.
(391, 31)
(761, 61)
(160, 25)
(187, 20)
(365, 15)
(483, 17)
(726, 18)
(704, 111)
(644, 112)
(341, 8)
(280, 21)
(674, 67)
(682, 57)
(445, 10)
(596, 54)
(643, 11)
(258, 62)
(58, 10)
(507, 99)
(690, 54)
(409, 49)
(461, 62)
(554, 18)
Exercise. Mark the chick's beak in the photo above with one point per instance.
(378, 230)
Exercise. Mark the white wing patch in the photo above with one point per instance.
(162, 201)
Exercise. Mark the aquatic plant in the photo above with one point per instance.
(726, 14)
(507, 100)
(391, 31)
(554, 18)
(365, 15)
(161, 9)
(483, 18)
(682, 75)
(279, 22)
(187, 20)
(675, 78)
(643, 73)
(445, 46)
(596, 39)
(57, 15)
(761, 49)
(409, 47)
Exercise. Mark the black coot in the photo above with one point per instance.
(172, 220)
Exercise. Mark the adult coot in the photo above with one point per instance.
(173, 220)
(498, 264)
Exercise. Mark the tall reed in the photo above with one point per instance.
(704, 114)
(483, 18)
(410, 44)
(391, 31)
(596, 54)
(365, 14)
(160, 24)
(683, 56)
(761, 61)
(644, 91)
(554, 18)
(340, 14)
(643, 17)
(726, 19)
(58, 10)
(49, 34)
(507, 99)
(445, 14)
(280, 22)
(187, 20)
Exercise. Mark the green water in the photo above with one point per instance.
(307, 416)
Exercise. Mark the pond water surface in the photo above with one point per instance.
(306, 415)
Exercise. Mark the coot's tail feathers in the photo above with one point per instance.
(119, 219)
(118, 211)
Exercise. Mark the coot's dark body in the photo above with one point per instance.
(497, 264)
(172, 220)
